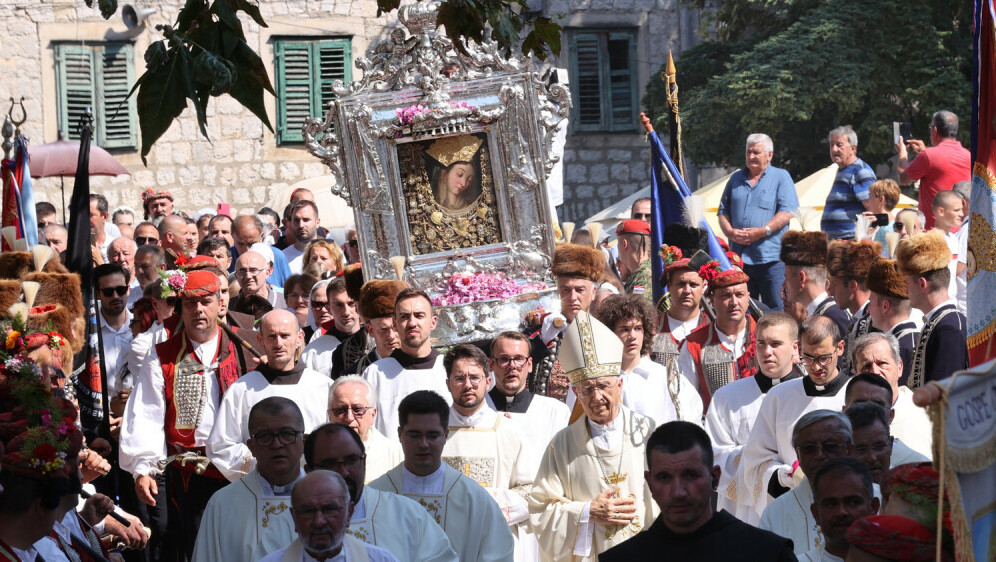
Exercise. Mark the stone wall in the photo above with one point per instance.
(241, 163)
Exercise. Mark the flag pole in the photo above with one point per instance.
(670, 78)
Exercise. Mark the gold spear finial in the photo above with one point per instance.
(672, 72)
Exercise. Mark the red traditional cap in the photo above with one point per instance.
(200, 283)
(633, 226)
(895, 538)
(717, 278)
(196, 262)
(149, 194)
(684, 263)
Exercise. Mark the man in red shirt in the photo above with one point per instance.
(939, 167)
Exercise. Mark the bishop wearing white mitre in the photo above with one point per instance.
(590, 494)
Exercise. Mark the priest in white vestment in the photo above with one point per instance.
(538, 418)
(251, 517)
(482, 444)
(590, 494)
(474, 523)
(769, 463)
(281, 376)
(384, 519)
(734, 408)
(352, 402)
(415, 365)
(321, 508)
(878, 353)
(819, 436)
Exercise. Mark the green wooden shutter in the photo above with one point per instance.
(75, 75)
(334, 63)
(586, 58)
(621, 49)
(116, 127)
(305, 71)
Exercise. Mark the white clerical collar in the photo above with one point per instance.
(680, 330)
(431, 484)
(811, 307)
(473, 420)
(271, 490)
(933, 311)
(609, 436)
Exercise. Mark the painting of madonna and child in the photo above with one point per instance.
(449, 190)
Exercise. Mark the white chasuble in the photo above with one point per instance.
(392, 383)
(383, 454)
(471, 519)
(245, 521)
(573, 472)
(401, 526)
(226, 447)
(769, 450)
(911, 424)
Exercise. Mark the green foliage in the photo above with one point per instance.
(795, 78)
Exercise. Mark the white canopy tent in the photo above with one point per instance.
(335, 212)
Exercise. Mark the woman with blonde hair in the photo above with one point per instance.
(325, 252)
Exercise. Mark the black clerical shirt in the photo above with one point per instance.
(724, 538)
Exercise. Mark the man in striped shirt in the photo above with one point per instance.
(848, 197)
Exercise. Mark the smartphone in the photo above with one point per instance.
(881, 219)
(906, 130)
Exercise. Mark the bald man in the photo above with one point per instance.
(282, 375)
(251, 271)
(175, 238)
(122, 252)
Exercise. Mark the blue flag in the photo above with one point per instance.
(25, 193)
(667, 201)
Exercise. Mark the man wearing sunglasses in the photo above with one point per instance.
(111, 281)
(283, 375)
(769, 464)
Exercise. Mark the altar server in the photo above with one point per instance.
(280, 376)
(589, 495)
(474, 523)
(352, 403)
(769, 459)
(734, 408)
(384, 519)
(250, 518)
(415, 365)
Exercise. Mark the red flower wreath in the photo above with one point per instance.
(670, 255)
(710, 271)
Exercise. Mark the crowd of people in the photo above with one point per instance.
(267, 403)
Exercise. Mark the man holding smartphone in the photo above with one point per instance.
(754, 212)
(939, 167)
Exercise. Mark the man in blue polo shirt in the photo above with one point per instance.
(848, 197)
(754, 212)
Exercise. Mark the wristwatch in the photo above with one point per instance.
(767, 230)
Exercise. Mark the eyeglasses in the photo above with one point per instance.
(898, 226)
(354, 243)
(329, 511)
(822, 360)
(515, 362)
(109, 291)
(475, 380)
(877, 448)
(589, 389)
(286, 437)
(358, 411)
(243, 272)
(642, 216)
(319, 304)
(352, 461)
(143, 240)
(828, 447)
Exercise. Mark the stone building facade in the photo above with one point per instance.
(248, 166)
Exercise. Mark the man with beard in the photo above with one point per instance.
(390, 521)
(319, 353)
(115, 320)
(717, 354)
(587, 496)
(415, 365)
(221, 227)
(171, 409)
(843, 493)
(352, 403)
(305, 223)
(321, 509)
(768, 464)
(735, 406)
(682, 479)
(476, 527)
(243, 521)
(578, 271)
(156, 204)
(281, 376)
(817, 437)
(376, 308)
(482, 444)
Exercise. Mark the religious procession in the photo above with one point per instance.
(413, 358)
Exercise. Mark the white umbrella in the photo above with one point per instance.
(335, 213)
